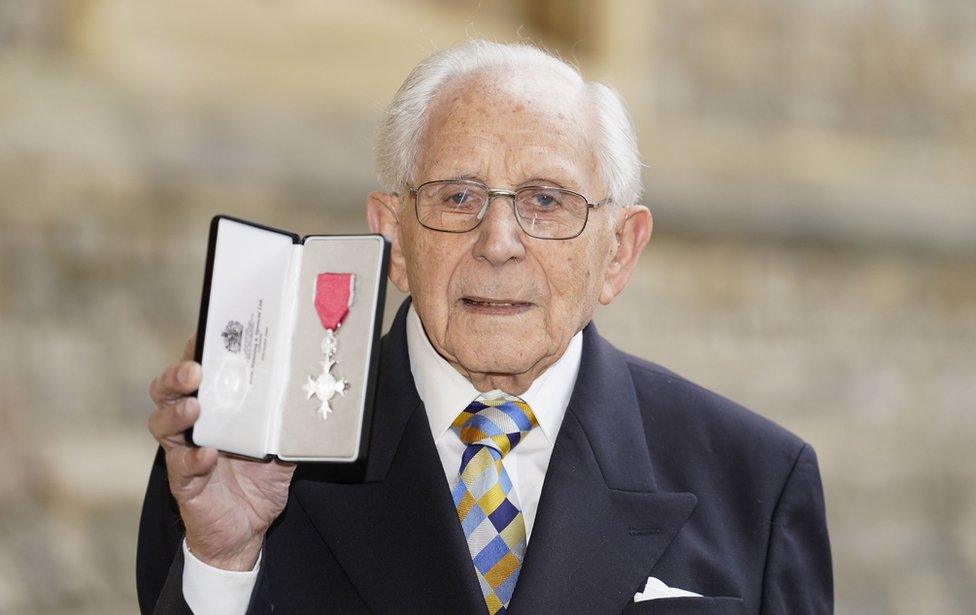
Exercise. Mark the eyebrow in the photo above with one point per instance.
(470, 178)
(545, 182)
(535, 181)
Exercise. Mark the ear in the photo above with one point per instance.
(632, 231)
(383, 217)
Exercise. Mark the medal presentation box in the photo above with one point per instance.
(288, 341)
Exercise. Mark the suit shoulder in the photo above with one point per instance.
(672, 402)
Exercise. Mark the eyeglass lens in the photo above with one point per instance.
(543, 212)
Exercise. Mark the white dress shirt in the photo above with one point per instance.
(445, 393)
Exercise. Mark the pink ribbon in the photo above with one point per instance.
(333, 296)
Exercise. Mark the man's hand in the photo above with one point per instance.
(226, 503)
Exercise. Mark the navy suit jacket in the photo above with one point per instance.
(650, 475)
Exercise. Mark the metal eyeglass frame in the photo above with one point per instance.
(512, 194)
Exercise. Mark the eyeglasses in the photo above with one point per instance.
(543, 212)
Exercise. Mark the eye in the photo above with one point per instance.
(459, 198)
(541, 199)
(545, 199)
(455, 197)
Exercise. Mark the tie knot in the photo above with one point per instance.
(497, 422)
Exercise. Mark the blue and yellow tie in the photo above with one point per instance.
(486, 503)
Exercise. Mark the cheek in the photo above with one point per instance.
(431, 265)
(576, 279)
(570, 278)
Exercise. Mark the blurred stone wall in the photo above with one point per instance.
(809, 167)
(850, 120)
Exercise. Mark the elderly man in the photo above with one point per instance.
(518, 462)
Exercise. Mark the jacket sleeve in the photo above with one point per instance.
(170, 601)
(798, 576)
(159, 562)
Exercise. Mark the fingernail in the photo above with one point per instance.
(190, 405)
(185, 373)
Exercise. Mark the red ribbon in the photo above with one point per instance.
(333, 296)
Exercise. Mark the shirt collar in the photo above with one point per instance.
(445, 392)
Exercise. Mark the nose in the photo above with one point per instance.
(499, 234)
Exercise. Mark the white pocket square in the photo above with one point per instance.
(655, 588)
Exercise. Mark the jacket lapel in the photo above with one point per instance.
(396, 534)
(601, 523)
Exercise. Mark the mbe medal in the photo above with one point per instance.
(333, 298)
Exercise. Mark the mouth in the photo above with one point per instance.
(486, 305)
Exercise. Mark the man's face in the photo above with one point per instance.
(495, 300)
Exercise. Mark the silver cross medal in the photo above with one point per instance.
(333, 298)
(325, 385)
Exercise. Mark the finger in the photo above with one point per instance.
(201, 460)
(190, 348)
(168, 422)
(196, 461)
(179, 380)
(187, 463)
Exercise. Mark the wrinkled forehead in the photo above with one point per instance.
(530, 122)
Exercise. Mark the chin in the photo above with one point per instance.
(497, 365)
(497, 344)
(501, 353)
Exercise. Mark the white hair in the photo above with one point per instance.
(399, 138)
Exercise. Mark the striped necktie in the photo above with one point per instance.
(486, 503)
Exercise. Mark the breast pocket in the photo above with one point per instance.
(686, 606)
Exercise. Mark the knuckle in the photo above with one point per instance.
(181, 464)
(173, 462)
(154, 424)
(161, 390)
(163, 422)
(169, 376)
